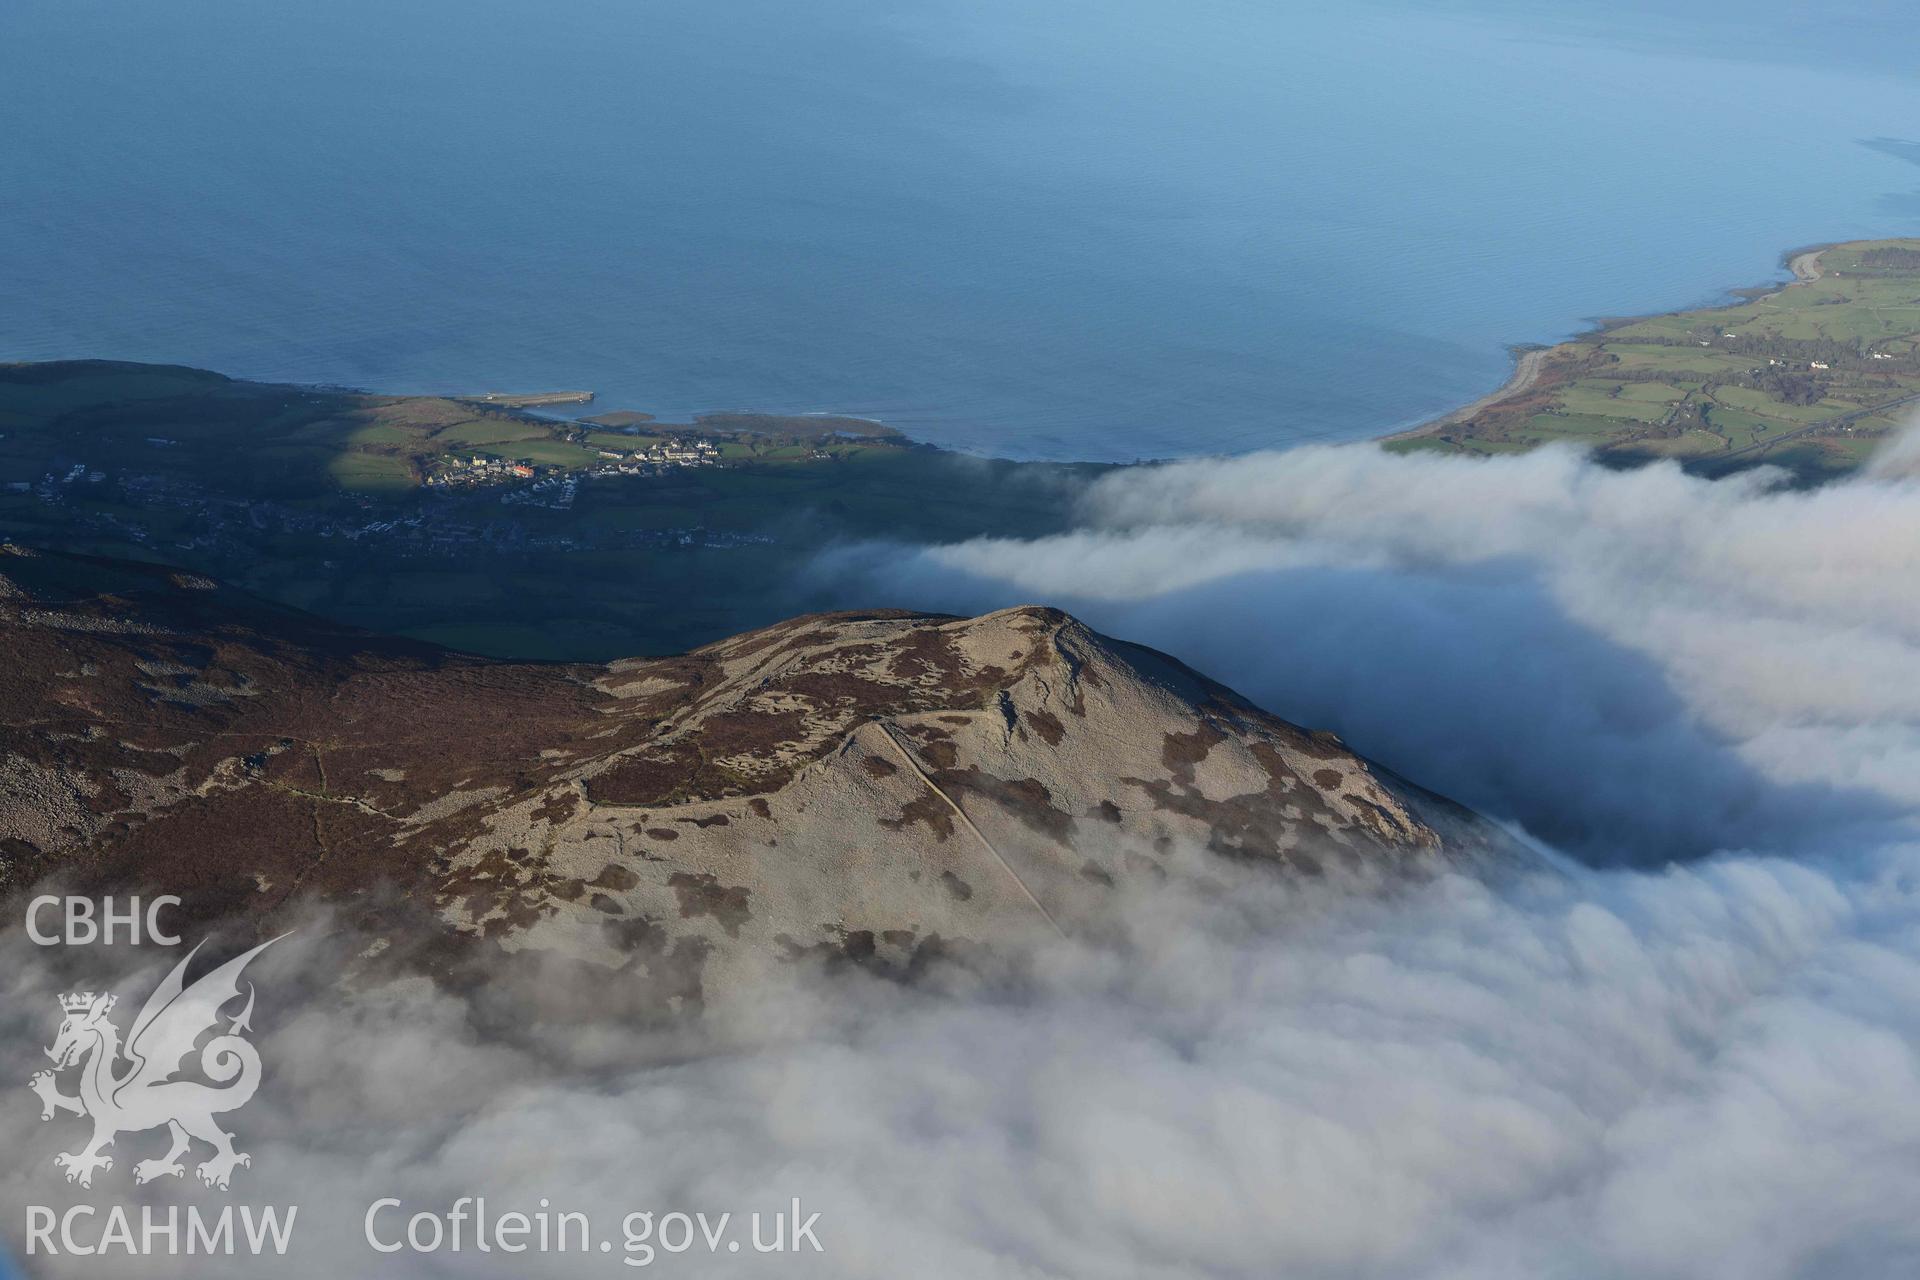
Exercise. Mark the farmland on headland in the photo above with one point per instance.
(1811, 376)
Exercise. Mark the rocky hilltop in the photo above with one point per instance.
(876, 787)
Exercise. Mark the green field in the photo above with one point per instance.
(1790, 376)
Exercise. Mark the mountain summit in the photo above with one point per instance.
(877, 787)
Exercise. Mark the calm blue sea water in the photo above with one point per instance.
(1100, 230)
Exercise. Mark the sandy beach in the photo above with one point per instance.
(1526, 372)
(1806, 266)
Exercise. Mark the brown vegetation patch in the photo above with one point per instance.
(615, 877)
(927, 657)
(557, 808)
(704, 895)
(1025, 798)
(645, 779)
(1048, 726)
(759, 734)
(1180, 752)
(927, 808)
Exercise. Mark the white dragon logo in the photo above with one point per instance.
(144, 1095)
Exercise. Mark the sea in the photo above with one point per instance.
(1112, 230)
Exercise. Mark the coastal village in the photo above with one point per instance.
(480, 500)
(463, 471)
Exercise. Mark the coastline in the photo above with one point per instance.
(1530, 360)
(1805, 263)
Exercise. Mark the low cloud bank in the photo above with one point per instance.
(1636, 665)
(1707, 1068)
(1704, 1072)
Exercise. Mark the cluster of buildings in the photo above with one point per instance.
(50, 485)
(668, 453)
(1776, 362)
(480, 470)
(556, 491)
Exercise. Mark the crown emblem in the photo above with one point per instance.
(146, 1094)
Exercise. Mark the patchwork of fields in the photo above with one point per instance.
(1810, 376)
